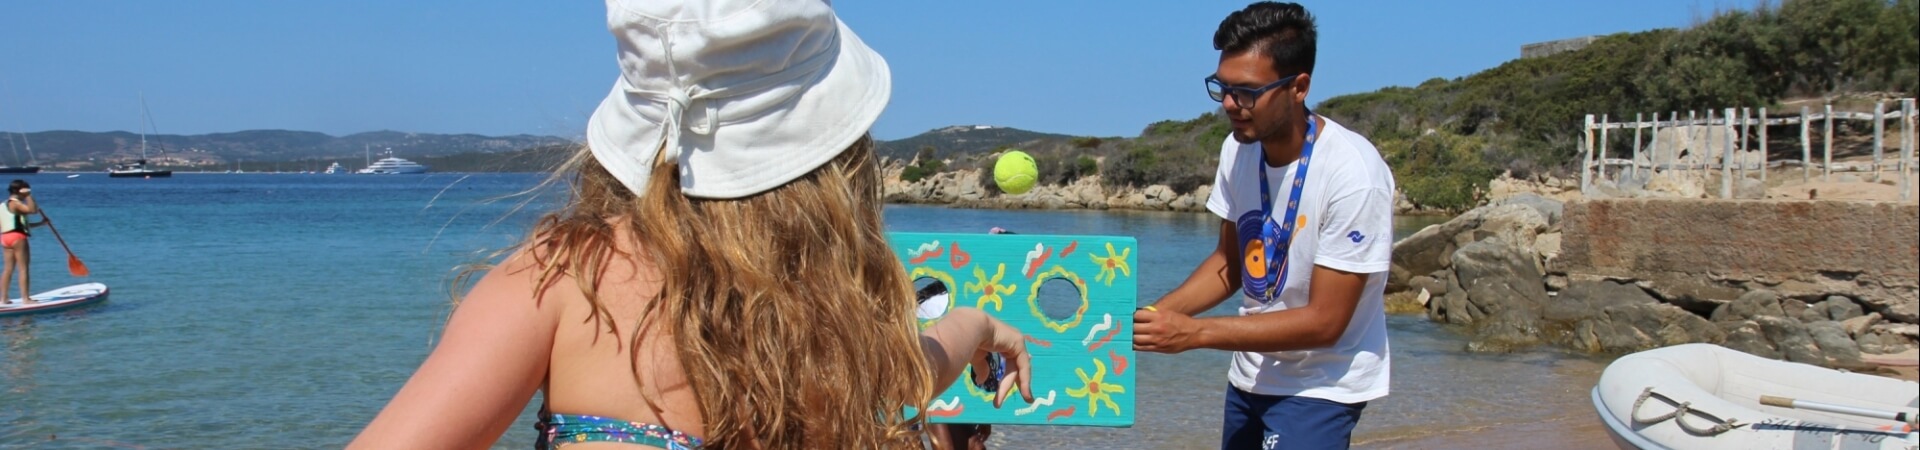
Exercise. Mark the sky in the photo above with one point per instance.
(499, 67)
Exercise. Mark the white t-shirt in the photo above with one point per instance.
(1345, 223)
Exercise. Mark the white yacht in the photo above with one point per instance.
(335, 168)
(392, 165)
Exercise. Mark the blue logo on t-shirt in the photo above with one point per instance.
(1355, 236)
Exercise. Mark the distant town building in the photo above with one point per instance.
(1539, 49)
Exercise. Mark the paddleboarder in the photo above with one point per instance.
(15, 221)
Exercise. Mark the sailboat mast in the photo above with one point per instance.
(31, 160)
(148, 116)
(143, 126)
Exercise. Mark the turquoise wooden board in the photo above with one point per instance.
(1083, 358)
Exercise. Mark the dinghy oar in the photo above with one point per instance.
(1784, 402)
(74, 266)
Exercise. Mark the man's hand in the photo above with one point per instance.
(1164, 331)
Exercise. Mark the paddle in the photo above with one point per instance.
(1785, 402)
(74, 266)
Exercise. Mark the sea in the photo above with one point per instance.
(284, 310)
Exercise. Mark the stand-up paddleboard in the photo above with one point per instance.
(58, 299)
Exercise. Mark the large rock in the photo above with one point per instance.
(1792, 338)
(1430, 284)
(1629, 327)
(1431, 248)
(1839, 308)
(1428, 250)
(1880, 342)
(1800, 310)
(1454, 307)
(1498, 281)
(1583, 300)
(1514, 223)
(1746, 336)
(1547, 246)
(1752, 305)
(1833, 342)
(1860, 325)
(1548, 208)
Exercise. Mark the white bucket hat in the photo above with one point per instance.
(746, 94)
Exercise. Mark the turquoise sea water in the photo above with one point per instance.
(283, 311)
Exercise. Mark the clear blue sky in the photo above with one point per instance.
(539, 67)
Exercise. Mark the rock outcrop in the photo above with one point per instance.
(1499, 271)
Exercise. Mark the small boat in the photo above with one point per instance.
(61, 299)
(1704, 396)
(138, 168)
(335, 168)
(28, 169)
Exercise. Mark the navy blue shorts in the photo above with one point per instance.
(1255, 421)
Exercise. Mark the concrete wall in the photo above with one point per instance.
(1715, 249)
(1539, 49)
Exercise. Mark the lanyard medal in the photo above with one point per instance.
(1277, 236)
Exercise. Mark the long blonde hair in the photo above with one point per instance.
(791, 316)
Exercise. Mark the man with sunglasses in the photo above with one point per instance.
(1306, 240)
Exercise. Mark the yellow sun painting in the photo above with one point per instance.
(990, 289)
(1111, 263)
(1097, 392)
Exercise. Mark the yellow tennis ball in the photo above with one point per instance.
(1015, 172)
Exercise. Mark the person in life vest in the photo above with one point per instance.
(14, 224)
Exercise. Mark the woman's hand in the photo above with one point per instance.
(1011, 344)
(962, 333)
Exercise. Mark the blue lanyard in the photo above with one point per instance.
(1277, 237)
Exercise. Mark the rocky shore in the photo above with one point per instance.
(1499, 272)
(966, 189)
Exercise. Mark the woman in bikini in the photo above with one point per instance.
(15, 222)
(720, 275)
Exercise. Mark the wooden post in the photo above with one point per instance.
(1879, 117)
(1653, 152)
(1908, 142)
(1826, 162)
(1726, 155)
(1586, 156)
(1740, 156)
(1601, 171)
(1633, 167)
(1806, 147)
(1763, 146)
(1691, 149)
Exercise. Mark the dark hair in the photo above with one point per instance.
(1284, 30)
(15, 187)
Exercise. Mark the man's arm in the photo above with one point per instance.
(1354, 241)
(1213, 281)
(1332, 296)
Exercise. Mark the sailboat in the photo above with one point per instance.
(138, 168)
(30, 168)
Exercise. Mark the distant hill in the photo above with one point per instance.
(962, 140)
(91, 150)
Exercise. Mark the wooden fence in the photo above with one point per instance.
(1740, 130)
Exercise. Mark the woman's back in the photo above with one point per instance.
(593, 369)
